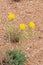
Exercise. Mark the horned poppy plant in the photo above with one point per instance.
(32, 25)
(11, 16)
(22, 26)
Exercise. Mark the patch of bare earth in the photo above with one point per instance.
(25, 11)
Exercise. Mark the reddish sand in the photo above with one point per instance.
(25, 11)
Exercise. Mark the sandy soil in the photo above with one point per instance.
(25, 11)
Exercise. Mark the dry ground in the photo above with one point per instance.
(25, 11)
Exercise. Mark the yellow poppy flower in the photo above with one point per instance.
(11, 16)
(32, 25)
(22, 26)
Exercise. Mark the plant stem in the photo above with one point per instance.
(9, 38)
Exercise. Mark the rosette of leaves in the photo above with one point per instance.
(16, 57)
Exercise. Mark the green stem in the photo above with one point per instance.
(9, 38)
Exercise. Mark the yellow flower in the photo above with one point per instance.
(22, 26)
(32, 25)
(11, 16)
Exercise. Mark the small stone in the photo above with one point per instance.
(27, 49)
